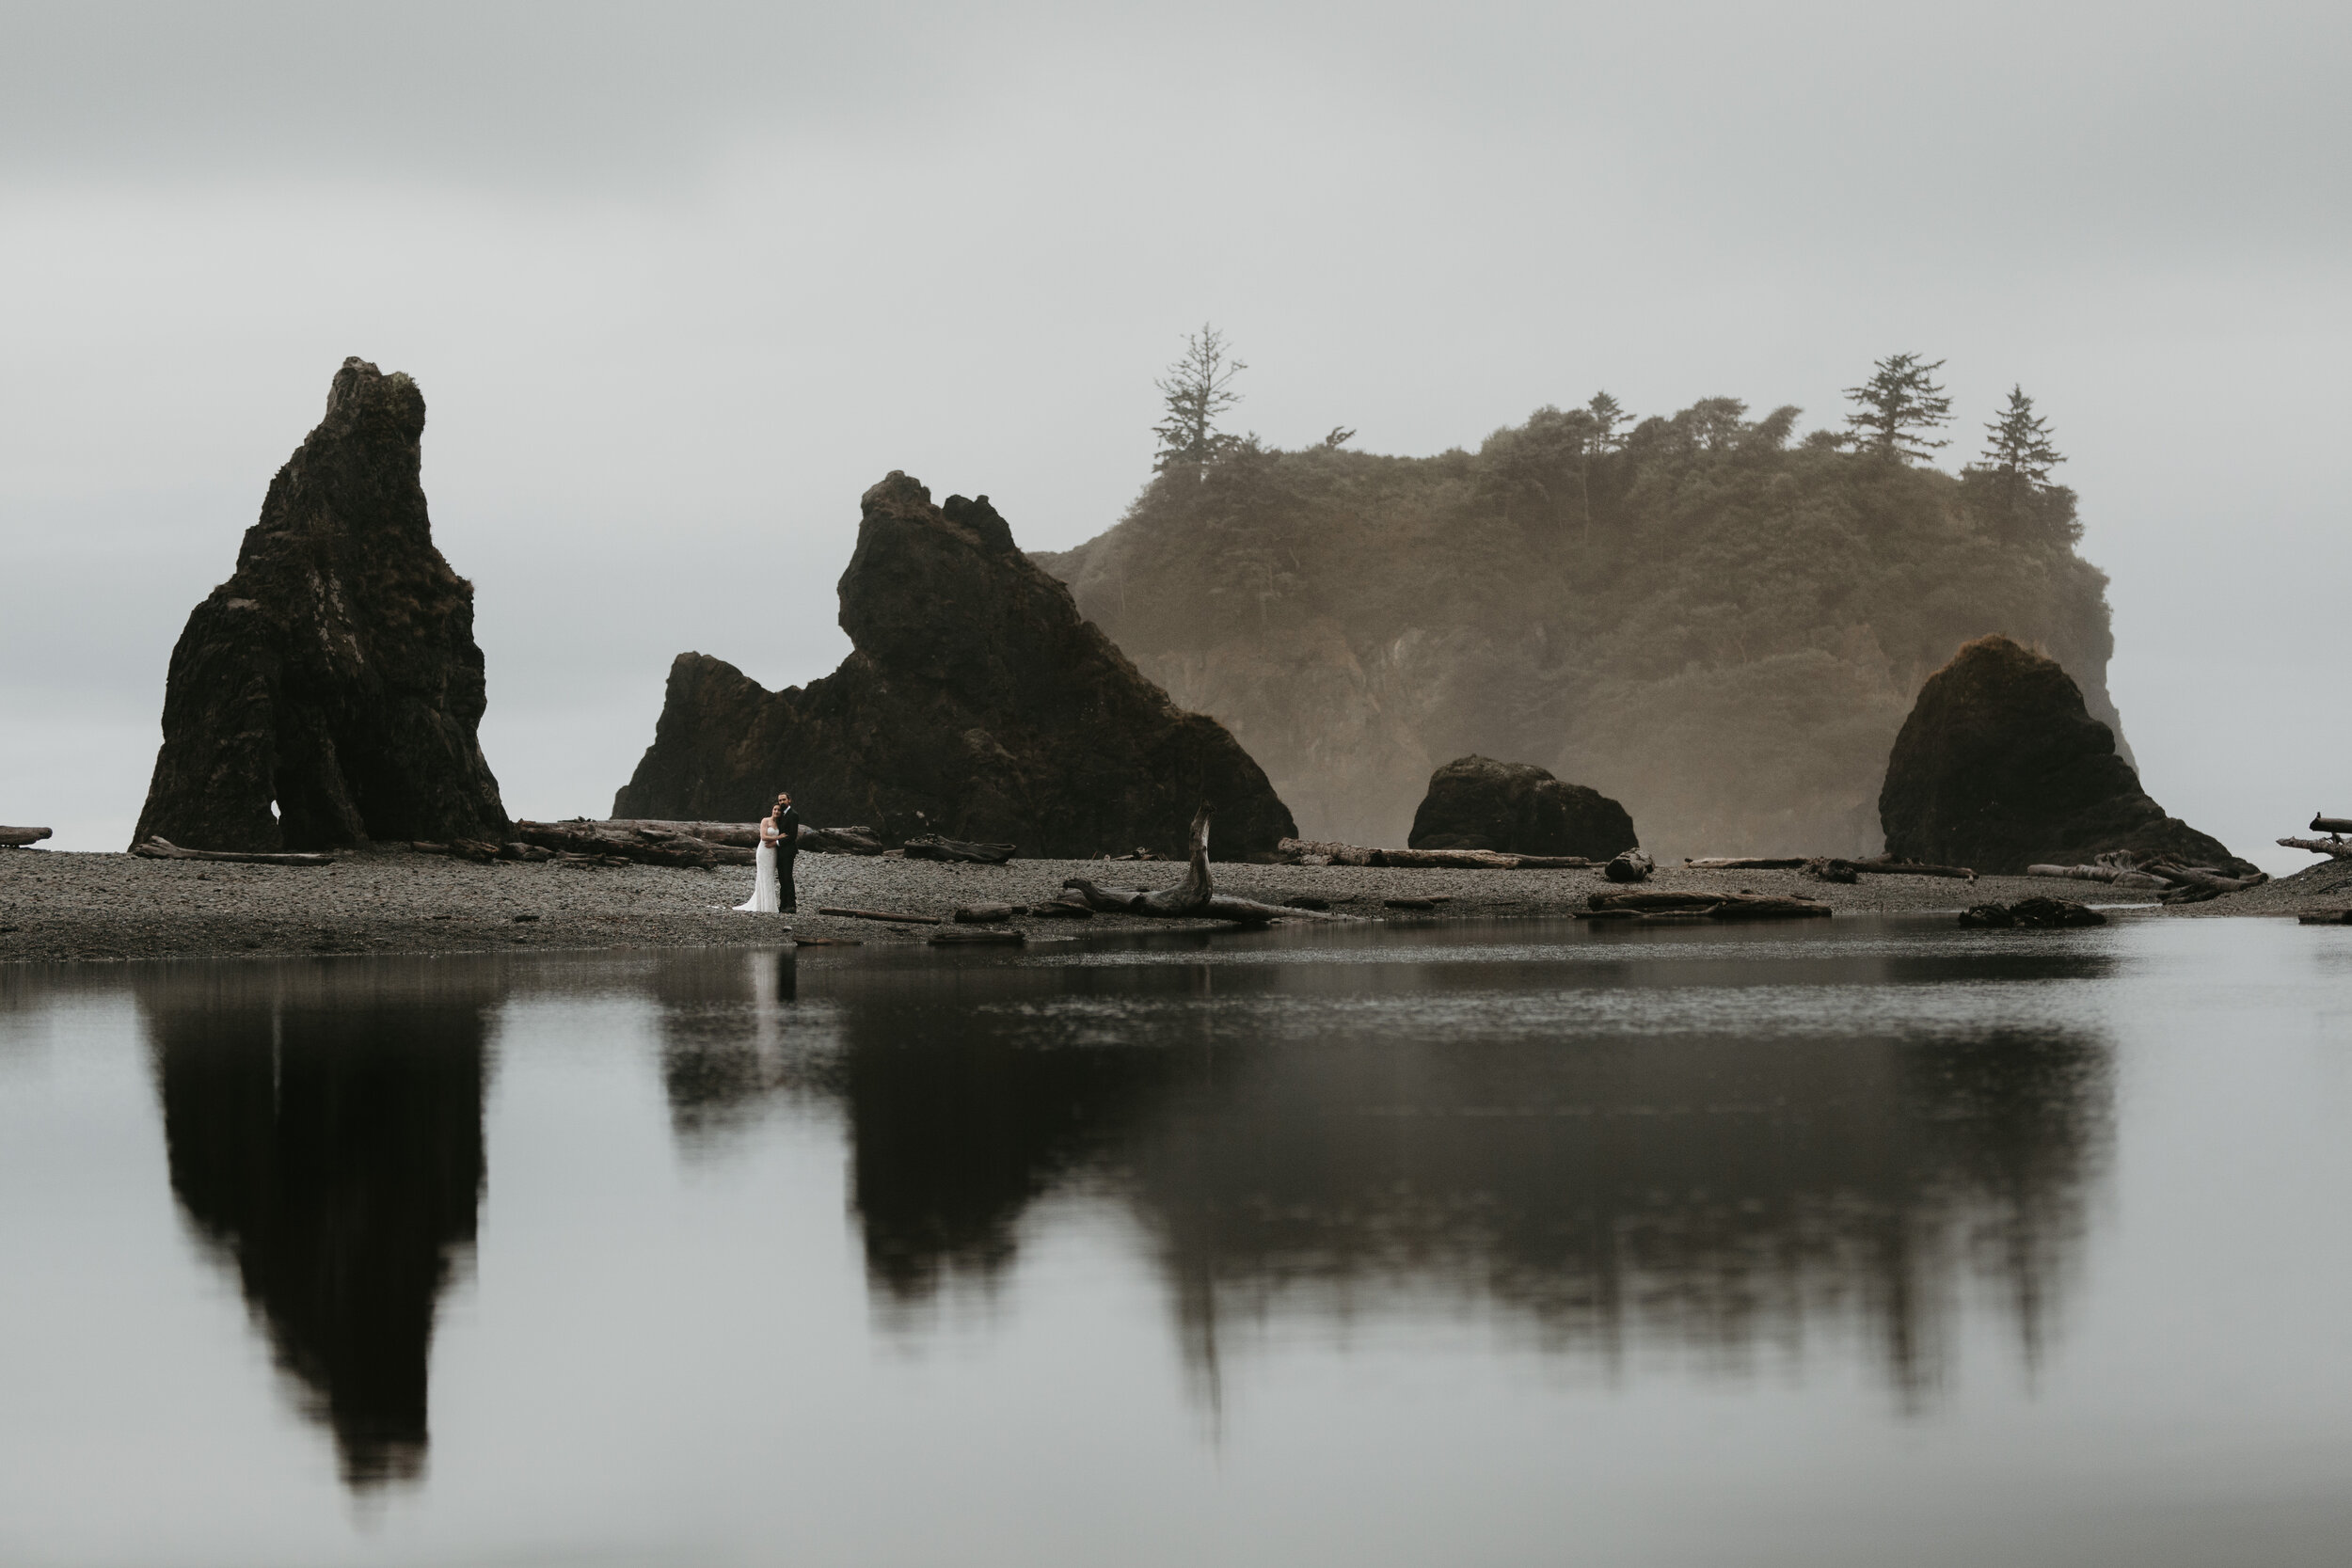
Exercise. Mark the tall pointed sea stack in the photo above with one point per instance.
(2000, 766)
(975, 703)
(328, 694)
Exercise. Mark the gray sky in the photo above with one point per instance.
(680, 282)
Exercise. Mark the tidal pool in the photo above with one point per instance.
(1873, 1242)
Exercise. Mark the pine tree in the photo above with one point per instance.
(1897, 407)
(2017, 461)
(2019, 447)
(1197, 389)
(1608, 413)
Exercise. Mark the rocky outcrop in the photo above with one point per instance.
(329, 691)
(975, 703)
(1476, 802)
(2001, 767)
(1717, 628)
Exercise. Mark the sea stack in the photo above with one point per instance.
(1476, 802)
(975, 703)
(328, 692)
(2000, 766)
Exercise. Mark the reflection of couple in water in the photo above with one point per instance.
(779, 843)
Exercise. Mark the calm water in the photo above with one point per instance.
(1872, 1242)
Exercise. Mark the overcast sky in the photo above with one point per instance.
(680, 282)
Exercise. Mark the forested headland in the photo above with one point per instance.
(1715, 623)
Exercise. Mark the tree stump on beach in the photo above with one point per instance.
(1630, 866)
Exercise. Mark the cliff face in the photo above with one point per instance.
(1721, 632)
(975, 703)
(2000, 766)
(328, 692)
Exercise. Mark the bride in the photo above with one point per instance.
(766, 898)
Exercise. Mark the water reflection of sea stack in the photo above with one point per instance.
(329, 1146)
(1727, 1196)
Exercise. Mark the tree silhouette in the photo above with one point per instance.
(2016, 464)
(2019, 445)
(1897, 407)
(1197, 389)
(1608, 416)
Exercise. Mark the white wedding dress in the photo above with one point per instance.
(764, 899)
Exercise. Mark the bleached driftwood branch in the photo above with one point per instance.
(164, 850)
(2113, 875)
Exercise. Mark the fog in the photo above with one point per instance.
(680, 282)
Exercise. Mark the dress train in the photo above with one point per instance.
(764, 899)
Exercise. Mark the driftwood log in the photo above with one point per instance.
(2197, 884)
(740, 835)
(891, 915)
(2173, 882)
(733, 835)
(931, 847)
(2115, 876)
(2331, 824)
(2339, 848)
(1816, 863)
(583, 838)
(164, 850)
(1194, 898)
(1295, 851)
(1476, 860)
(16, 838)
(1913, 868)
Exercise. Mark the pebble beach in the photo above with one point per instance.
(66, 907)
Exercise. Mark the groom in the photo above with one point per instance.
(787, 847)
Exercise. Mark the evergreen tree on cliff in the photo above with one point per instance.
(1198, 388)
(2015, 469)
(1896, 408)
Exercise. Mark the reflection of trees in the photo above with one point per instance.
(325, 1134)
(1721, 1195)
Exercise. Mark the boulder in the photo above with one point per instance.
(2001, 767)
(2033, 914)
(329, 691)
(1478, 803)
(976, 704)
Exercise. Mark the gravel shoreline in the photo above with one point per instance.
(60, 906)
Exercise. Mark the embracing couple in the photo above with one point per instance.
(779, 844)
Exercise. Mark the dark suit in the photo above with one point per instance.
(788, 847)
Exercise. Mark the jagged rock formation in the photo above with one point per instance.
(975, 703)
(329, 691)
(2001, 767)
(1476, 802)
(1719, 627)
